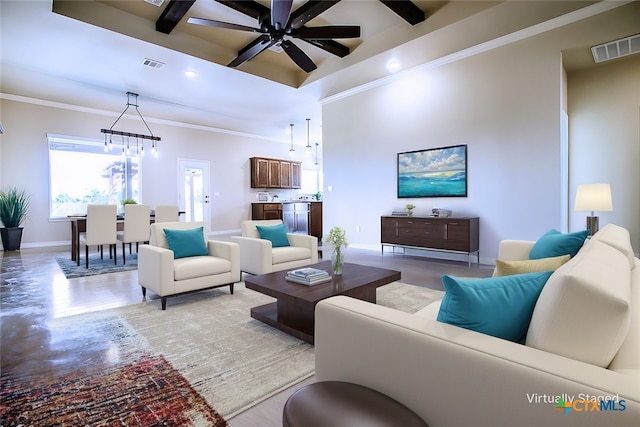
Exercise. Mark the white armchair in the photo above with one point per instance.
(258, 256)
(165, 275)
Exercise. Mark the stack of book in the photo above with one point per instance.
(308, 276)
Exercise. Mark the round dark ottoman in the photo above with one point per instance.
(340, 404)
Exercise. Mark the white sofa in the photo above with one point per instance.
(258, 256)
(585, 329)
(166, 276)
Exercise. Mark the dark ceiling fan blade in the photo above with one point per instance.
(280, 11)
(220, 24)
(406, 9)
(172, 14)
(298, 56)
(308, 11)
(252, 49)
(327, 33)
(331, 46)
(248, 7)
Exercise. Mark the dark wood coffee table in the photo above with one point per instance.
(293, 312)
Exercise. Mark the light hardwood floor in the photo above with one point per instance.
(34, 289)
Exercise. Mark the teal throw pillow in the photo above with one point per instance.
(186, 243)
(554, 243)
(277, 234)
(497, 306)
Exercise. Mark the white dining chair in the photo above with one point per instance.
(136, 227)
(101, 230)
(167, 213)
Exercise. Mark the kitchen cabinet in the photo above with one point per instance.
(266, 211)
(275, 173)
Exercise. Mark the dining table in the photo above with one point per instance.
(79, 225)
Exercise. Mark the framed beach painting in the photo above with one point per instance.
(433, 172)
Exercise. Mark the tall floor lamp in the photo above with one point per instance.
(592, 198)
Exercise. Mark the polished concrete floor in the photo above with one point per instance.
(34, 290)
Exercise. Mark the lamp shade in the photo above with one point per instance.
(593, 197)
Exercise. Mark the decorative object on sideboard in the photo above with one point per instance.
(439, 212)
(592, 198)
(126, 145)
(410, 207)
(14, 206)
(337, 238)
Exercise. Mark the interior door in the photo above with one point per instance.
(193, 190)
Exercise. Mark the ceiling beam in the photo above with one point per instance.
(172, 14)
(406, 9)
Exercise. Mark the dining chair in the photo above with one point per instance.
(167, 213)
(136, 227)
(101, 230)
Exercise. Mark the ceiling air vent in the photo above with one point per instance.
(153, 63)
(616, 49)
(155, 2)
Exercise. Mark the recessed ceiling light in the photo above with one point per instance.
(190, 74)
(393, 65)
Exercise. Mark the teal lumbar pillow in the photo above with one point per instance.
(276, 234)
(186, 243)
(497, 306)
(554, 243)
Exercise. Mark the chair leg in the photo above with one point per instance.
(129, 248)
(115, 254)
(231, 288)
(164, 302)
(86, 255)
(101, 247)
(144, 291)
(124, 253)
(78, 255)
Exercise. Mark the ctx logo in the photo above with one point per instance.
(584, 405)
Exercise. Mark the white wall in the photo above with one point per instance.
(505, 110)
(604, 111)
(24, 163)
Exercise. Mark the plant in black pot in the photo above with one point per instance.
(14, 205)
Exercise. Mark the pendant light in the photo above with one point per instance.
(308, 144)
(291, 150)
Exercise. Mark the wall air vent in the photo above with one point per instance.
(616, 49)
(155, 2)
(153, 63)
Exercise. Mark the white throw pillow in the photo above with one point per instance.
(583, 311)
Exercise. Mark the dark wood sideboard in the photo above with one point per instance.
(450, 234)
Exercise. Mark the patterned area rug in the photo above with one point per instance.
(148, 392)
(96, 265)
(172, 367)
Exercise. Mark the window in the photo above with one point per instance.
(81, 172)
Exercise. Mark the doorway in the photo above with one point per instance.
(193, 190)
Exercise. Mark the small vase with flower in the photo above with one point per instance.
(338, 239)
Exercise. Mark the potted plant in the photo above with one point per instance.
(410, 207)
(338, 239)
(14, 205)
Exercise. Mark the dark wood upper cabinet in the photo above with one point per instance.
(275, 173)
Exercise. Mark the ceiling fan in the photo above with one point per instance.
(279, 25)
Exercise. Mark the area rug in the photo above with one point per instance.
(208, 338)
(96, 265)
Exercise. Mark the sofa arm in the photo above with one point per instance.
(305, 241)
(229, 251)
(514, 250)
(155, 269)
(455, 377)
(255, 254)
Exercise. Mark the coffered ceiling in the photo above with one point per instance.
(89, 53)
